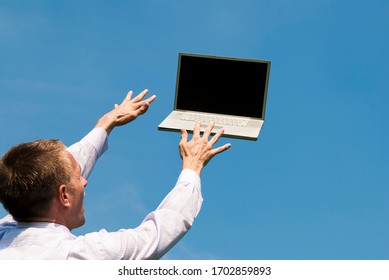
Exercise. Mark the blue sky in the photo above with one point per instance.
(314, 185)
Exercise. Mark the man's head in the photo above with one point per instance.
(41, 181)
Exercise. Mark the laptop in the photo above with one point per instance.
(231, 92)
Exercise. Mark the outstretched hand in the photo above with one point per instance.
(199, 151)
(127, 111)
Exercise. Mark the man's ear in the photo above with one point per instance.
(63, 195)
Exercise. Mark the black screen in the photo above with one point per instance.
(222, 85)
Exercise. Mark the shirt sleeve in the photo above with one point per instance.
(159, 231)
(89, 149)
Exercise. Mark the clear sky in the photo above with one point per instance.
(314, 185)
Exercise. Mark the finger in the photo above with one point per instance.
(184, 136)
(183, 142)
(115, 106)
(196, 130)
(140, 95)
(151, 99)
(128, 97)
(142, 108)
(220, 149)
(145, 103)
(208, 130)
(216, 151)
(216, 137)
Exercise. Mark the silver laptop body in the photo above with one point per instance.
(231, 92)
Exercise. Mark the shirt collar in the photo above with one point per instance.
(46, 225)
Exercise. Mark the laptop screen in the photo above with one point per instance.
(222, 85)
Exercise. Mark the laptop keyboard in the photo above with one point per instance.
(218, 120)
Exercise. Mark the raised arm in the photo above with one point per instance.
(92, 146)
(164, 227)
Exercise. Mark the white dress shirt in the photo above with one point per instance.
(159, 231)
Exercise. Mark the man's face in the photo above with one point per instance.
(76, 216)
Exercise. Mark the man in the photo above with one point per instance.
(42, 186)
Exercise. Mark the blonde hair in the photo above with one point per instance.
(30, 174)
